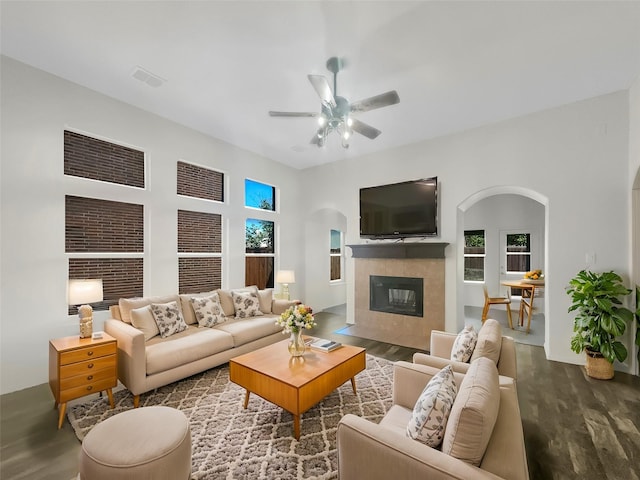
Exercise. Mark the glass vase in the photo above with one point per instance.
(296, 344)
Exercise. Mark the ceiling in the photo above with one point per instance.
(455, 65)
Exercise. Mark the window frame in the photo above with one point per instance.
(338, 255)
(270, 282)
(475, 255)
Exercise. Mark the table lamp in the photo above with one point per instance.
(83, 292)
(285, 277)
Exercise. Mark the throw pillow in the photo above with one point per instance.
(186, 307)
(128, 304)
(142, 319)
(246, 304)
(169, 318)
(208, 310)
(489, 341)
(464, 344)
(432, 409)
(266, 297)
(474, 413)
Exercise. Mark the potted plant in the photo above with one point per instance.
(600, 319)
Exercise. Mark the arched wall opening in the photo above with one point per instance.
(462, 210)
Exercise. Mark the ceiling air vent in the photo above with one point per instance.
(147, 77)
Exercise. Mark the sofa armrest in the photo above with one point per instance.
(132, 366)
(279, 305)
(370, 451)
(442, 343)
(409, 381)
(507, 364)
(440, 363)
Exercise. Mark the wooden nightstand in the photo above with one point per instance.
(81, 366)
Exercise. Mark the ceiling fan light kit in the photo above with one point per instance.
(335, 111)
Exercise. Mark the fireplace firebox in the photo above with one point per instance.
(399, 295)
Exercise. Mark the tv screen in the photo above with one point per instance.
(406, 209)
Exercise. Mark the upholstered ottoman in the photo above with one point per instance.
(144, 443)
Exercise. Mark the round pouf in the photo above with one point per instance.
(144, 443)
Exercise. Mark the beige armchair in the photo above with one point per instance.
(440, 354)
(383, 451)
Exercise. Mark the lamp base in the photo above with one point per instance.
(285, 291)
(85, 312)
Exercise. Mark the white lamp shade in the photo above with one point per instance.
(85, 291)
(286, 276)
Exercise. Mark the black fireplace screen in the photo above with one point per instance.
(400, 295)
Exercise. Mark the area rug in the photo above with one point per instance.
(229, 442)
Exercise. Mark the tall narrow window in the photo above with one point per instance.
(259, 195)
(260, 253)
(518, 252)
(97, 233)
(474, 255)
(199, 251)
(335, 254)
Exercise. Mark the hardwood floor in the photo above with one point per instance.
(575, 427)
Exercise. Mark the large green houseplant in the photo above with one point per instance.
(600, 318)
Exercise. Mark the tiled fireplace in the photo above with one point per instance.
(399, 292)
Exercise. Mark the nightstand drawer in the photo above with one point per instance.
(93, 387)
(80, 354)
(85, 368)
(88, 378)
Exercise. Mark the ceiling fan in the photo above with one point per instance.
(335, 112)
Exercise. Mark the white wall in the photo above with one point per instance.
(575, 156)
(36, 108)
(494, 215)
(320, 291)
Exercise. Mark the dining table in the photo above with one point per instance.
(528, 288)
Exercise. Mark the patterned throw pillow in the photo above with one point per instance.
(169, 318)
(208, 310)
(246, 304)
(465, 343)
(430, 414)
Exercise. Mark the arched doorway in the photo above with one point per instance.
(495, 196)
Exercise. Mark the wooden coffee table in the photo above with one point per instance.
(295, 383)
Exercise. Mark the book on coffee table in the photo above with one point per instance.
(324, 345)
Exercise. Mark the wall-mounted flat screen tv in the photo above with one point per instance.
(397, 210)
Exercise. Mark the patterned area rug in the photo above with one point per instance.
(229, 442)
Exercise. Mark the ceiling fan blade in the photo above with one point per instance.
(364, 129)
(378, 101)
(323, 89)
(292, 114)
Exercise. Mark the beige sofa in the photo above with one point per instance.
(146, 362)
(442, 343)
(382, 451)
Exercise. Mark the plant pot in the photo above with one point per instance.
(598, 367)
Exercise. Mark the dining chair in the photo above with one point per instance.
(488, 301)
(526, 306)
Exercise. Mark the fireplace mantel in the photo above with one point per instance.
(398, 250)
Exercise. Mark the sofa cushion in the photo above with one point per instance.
(250, 329)
(431, 411)
(474, 413)
(226, 300)
(128, 304)
(143, 320)
(464, 344)
(185, 347)
(168, 317)
(208, 310)
(266, 297)
(246, 304)
(489, 341)
(185, 304)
